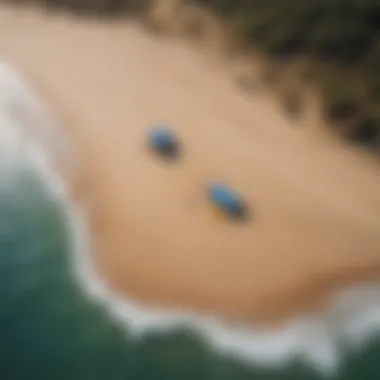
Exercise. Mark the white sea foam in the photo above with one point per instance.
(29, 134)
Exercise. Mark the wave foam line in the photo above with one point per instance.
(28, 134)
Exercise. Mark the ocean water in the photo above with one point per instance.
(58, 322)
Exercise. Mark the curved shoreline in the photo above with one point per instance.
(352, 315)
(316, 203)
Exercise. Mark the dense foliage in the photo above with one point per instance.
(100, 6)
(342, 34)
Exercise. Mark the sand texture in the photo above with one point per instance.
(315, 203)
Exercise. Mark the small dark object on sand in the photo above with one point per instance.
(162, 141)
(228, 201)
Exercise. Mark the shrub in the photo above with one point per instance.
(336, 34)
(100, 6)
(342, 95)
(367, 131)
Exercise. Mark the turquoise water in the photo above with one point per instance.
(50, 330)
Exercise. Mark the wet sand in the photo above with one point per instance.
(315, 202)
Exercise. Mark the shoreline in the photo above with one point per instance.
(315, 337)
(250, 293)
(312, 338)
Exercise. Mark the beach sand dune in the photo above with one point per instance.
(315, 202)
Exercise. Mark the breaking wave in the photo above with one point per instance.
(60, 320)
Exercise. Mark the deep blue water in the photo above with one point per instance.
(50, 331)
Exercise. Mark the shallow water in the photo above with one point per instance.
(50, 330)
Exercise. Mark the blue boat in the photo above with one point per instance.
(163, 141)
(227, 200)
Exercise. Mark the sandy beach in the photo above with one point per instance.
(315, 202)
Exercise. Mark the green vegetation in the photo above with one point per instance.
(338, 39)
(102, 7)
(344, 36)
(342, 32)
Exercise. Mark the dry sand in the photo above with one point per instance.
(315, 202)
